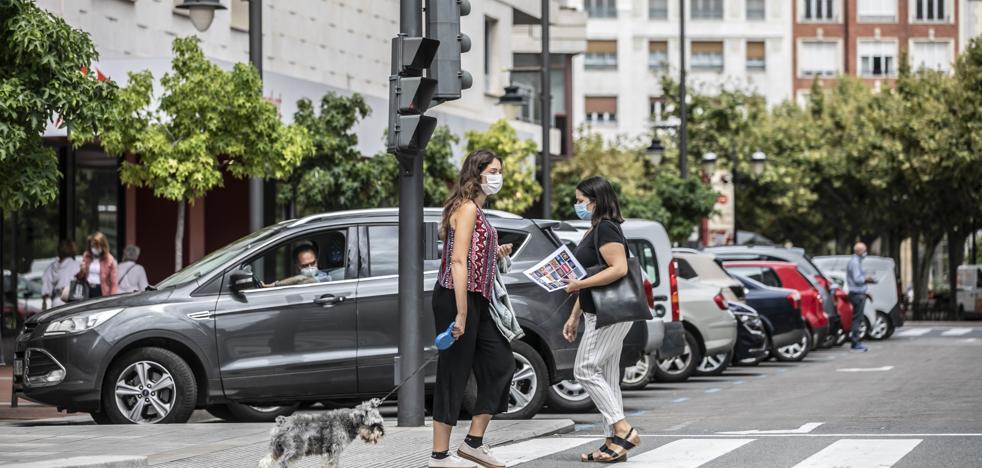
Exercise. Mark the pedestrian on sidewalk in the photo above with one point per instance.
(856, 280)
(462, 295)
(99, 269)
(132, 275)
(597, 364)
(59, 274)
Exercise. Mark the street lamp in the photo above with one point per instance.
(655, 151)
(202, 12)
(708, 163)
(514, 99)
(757, 161)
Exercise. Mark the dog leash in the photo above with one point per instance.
(437, 354)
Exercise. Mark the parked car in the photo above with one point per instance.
(805, 265)
(212, 336)
(751, 346)
(780, 310)
(883, 314)
(710, 330)
(649, 243)
(969, 294)
(786, 275)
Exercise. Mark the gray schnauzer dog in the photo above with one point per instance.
(324, 434)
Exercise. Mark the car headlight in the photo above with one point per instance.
(79, 323)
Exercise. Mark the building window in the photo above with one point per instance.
(935, 55)
(656, 108)
(818, 58)
(707, 9)
(601, 109)
(601, 8)
(818, 10)
(929, 10)
(239, 15)
(756, 56)
(657, 9)
(658, 55)
(877, 11)
(490, 53)
(877, 58)
(756, 9)
(600, 55)
(707, 56)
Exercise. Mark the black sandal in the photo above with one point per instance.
(588, 457)
(623, 443)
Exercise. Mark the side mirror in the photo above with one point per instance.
(240, 280)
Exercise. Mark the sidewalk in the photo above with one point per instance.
(225, 444)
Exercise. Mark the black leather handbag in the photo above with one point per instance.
(624, 299)
(77, 291)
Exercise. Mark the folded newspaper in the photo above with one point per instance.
(559, 265)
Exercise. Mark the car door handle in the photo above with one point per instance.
(661, 298)
(329, 300)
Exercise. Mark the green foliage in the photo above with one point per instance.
(207, 120)
(41, 79)
(520, 190)
(644, 191)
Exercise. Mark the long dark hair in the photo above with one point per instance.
(468, 186)
(605, 205)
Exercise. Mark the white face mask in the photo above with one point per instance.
(309, 271)
(492, 183)
(96, 251)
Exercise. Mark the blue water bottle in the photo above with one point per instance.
(445, 340)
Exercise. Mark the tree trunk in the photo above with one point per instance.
(179, 236)
(922, 268)
(957, 234)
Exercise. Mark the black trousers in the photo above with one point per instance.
(481, 349)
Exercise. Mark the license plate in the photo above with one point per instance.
(18, 367)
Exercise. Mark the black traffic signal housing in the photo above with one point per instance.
(410, 94)
(443, 24)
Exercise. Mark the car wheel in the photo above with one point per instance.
(714, 364)
(679, 368)
(239, 412)
(841, 337)
(636, 377)
(568, 396)
(527, 392)
(795, 352)
(880, 328)
(149, 386)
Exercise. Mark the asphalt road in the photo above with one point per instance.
(914, 400)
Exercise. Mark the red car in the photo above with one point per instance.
(844, 308)
(786, 275)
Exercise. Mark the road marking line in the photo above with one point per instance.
(855, 453)
(680, 400)
(712, 390)
(957, 331)
(679, 426)
(687, 453)
(804, 429)
(529, 450)
(738, 382)
(915, 332)
(865, 369)
(968, 340)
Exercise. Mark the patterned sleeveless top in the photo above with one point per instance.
(481, 258)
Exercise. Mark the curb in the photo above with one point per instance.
(111, 461)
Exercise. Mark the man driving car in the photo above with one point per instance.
(306, 260)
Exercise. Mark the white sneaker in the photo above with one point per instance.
(450, 462)
(481, 455)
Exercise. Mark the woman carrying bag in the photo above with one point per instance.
(99, 267)
(604, 253)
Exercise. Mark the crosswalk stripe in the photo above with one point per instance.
(957, 331)
(534, 449)
(686, 453)
(860, 453)
(915, 332)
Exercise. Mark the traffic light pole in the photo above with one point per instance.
(411, 395)
(683, 117)
(546, 117)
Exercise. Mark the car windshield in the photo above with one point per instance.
(217, 258)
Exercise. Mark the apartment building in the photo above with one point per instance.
(865, 38)
(631, 44)
(970, 21)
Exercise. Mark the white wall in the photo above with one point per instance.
(309, 47)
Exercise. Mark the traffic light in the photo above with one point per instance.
(410, 94)
(443, 24)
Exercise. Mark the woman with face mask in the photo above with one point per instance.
(462, 295)
(597, 364)
(99, 267)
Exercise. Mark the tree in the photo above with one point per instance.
(207, 121)
(43, 77)
(520, 189)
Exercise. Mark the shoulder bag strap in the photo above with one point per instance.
(128, 270)
(596, 241)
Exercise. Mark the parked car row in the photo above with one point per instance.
(229, 335)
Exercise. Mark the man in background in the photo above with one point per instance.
(857, 280)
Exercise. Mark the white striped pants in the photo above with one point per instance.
(597, 367)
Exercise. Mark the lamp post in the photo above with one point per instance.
(683, 137)
(546, 116)
(757, 162)
(202, 12)
(513, 100)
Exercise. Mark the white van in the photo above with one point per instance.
(969, 294)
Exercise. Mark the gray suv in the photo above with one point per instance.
(233, 334)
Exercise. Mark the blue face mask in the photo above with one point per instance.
(582, 212)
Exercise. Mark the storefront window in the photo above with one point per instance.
(96, 197)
